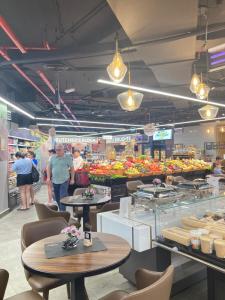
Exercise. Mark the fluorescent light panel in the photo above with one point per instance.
(72, 132)
(22, 111)
(109, 132)
(89, 122)
(137, 88)
(75, 126)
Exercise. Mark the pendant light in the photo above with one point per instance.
(195, 81)
(130, 100)
(203, 90)
(208, 111)
(117, 69)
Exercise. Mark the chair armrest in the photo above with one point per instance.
(144, 278)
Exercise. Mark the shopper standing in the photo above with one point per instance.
(49, 184)
(60, 168)
(78, 163)
(31, 155)
(23, 168)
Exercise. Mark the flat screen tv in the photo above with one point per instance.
(161, 135)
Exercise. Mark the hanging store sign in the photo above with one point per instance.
(121, 139)
(71, 140)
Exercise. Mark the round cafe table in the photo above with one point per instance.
(80, 201)
(76, 267)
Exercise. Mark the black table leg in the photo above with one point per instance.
(86, 218)
(78, 291)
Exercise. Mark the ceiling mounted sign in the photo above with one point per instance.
(71, 140)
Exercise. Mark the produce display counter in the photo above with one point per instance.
(118, 184)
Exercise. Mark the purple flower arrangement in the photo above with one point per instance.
(157, 181)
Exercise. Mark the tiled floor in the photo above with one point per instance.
(97, 286)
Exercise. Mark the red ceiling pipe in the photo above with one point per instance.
(45, 79)
(21, 72)
(27, 48)
(5, 26)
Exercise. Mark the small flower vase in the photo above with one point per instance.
(70, 243)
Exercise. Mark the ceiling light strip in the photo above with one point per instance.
(109, 132)
(76, 126)
(137, 88)
(10, 104)
(89, 122)
(72, 132)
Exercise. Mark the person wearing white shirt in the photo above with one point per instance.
(78, 163)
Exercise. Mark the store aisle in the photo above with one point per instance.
(97, 286)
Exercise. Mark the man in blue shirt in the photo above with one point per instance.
(59, 169)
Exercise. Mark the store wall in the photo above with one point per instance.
(197, 136)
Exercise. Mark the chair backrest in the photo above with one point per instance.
(35, 231)
(110, 206)
(132, 185)
(43, 211)
(79, 191)
(159, 290)
(4, 277)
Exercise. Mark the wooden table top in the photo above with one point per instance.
(85, 264)
(78, 200)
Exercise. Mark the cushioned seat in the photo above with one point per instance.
(29, 295)
(26, 296)
(40, 283)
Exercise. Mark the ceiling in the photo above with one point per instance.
(72, 42)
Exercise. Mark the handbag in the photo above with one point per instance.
(82, 178)
(35, 174)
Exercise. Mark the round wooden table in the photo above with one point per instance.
(76, 267)
(80, 201)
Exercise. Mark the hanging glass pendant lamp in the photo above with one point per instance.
(195, 81)
(117, 69)
(130, 100)
(203, 90)
(208, 111)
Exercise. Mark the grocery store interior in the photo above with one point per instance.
(112, 149)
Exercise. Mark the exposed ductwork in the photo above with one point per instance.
(12, 36)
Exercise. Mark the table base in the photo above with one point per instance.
(86, 226)
(78, 290)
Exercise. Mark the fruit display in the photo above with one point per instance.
(144, 166)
